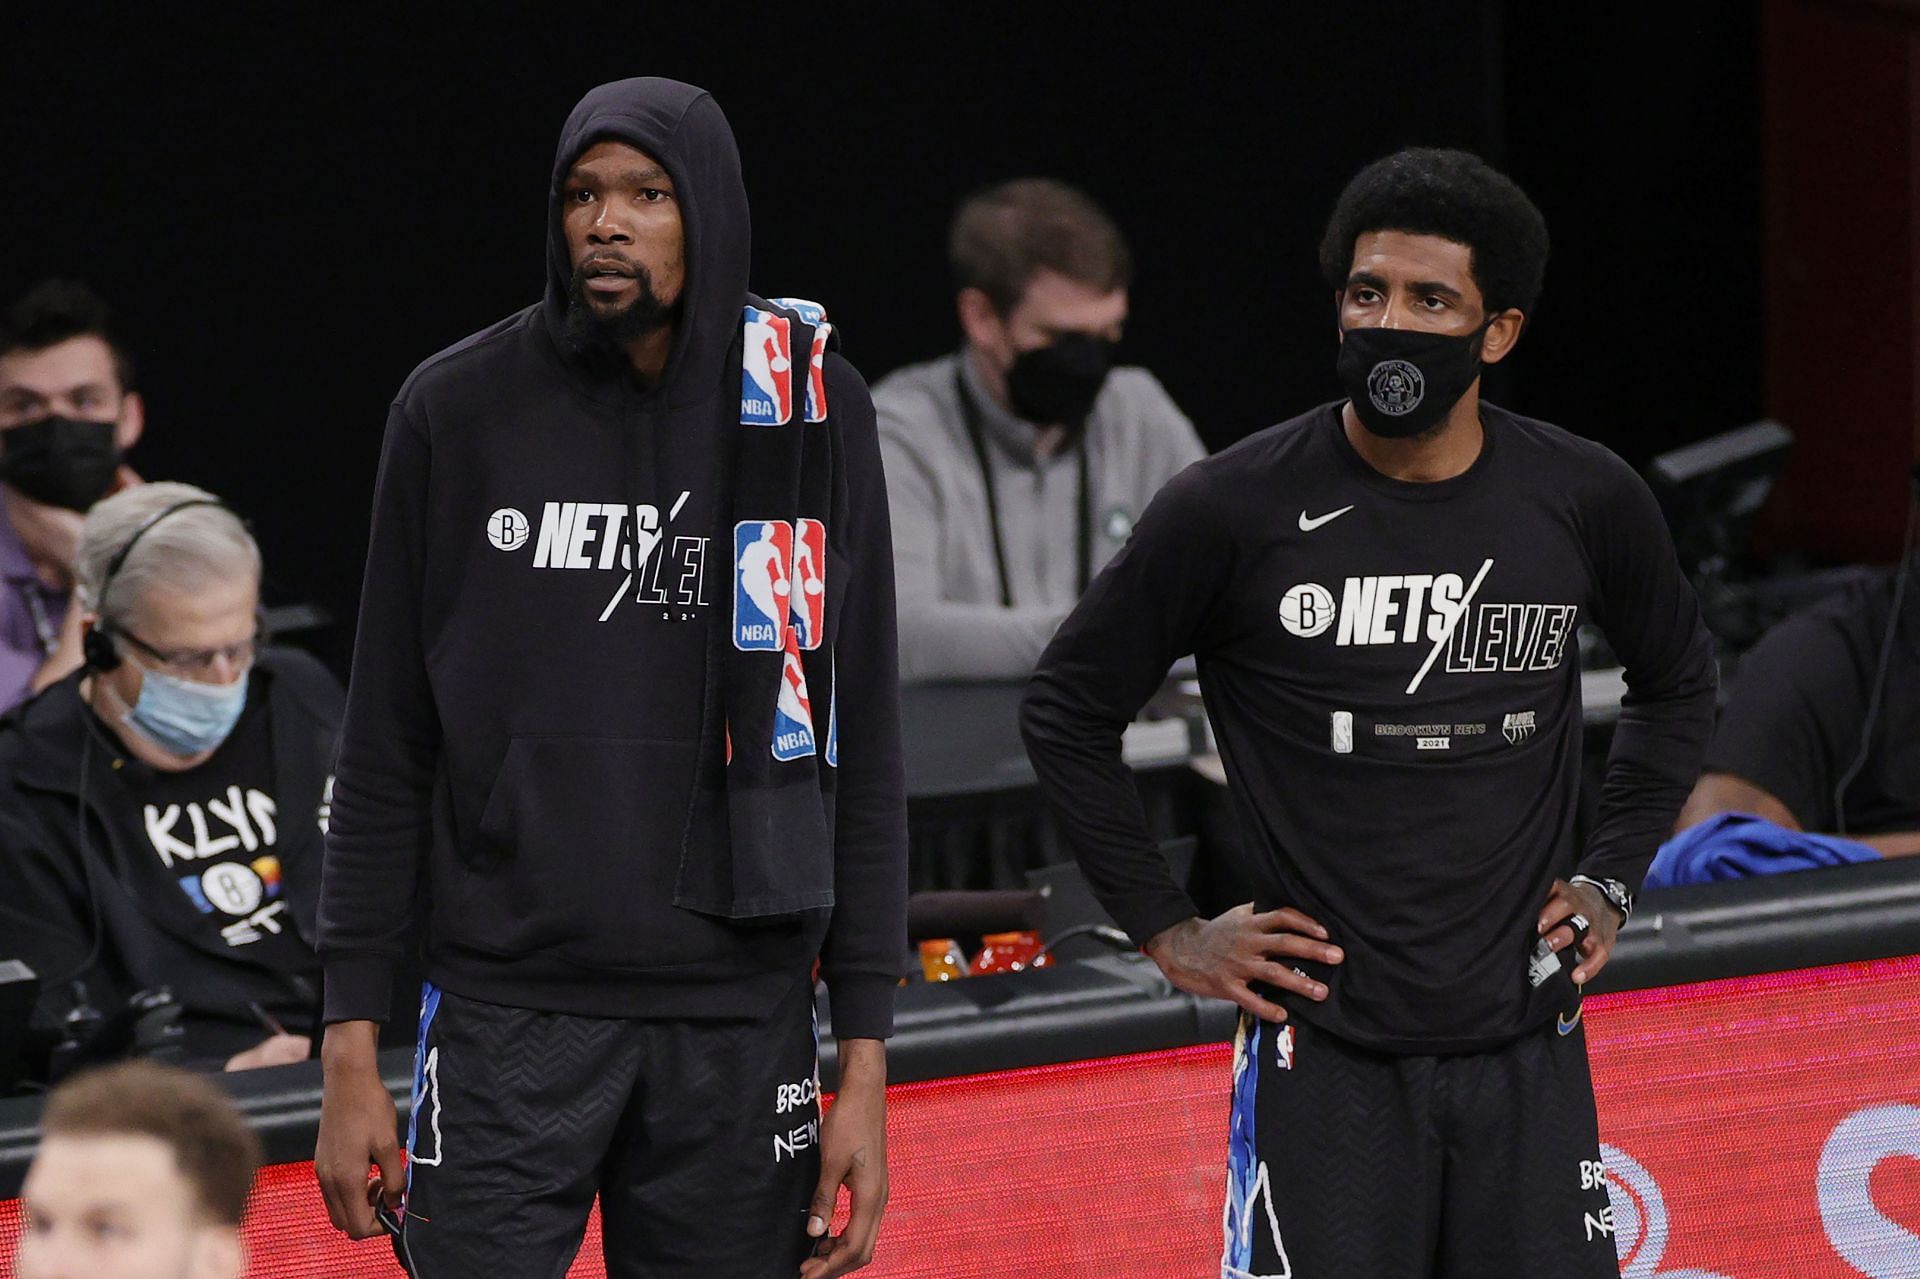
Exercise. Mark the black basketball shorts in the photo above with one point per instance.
(1347, 1162)
(700, 1138)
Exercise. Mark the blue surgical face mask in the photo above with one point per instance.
(185, 717)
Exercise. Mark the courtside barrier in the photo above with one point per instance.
(1756, 1056)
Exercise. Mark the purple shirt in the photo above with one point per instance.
(30, 616)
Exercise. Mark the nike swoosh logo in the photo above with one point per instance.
(1566, 1025)
(1308, 525)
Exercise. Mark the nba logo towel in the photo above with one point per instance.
(816, 315)
(766, 369)
(762, 584)
(792, 710)
(809, 596)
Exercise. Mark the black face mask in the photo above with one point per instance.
(60, 461)
(1402, 381)
(1058, 384)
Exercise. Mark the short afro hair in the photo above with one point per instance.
(1455, 195)
(58, 311)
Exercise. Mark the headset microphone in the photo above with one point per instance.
(96, 646)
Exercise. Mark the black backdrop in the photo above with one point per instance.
(287, 218)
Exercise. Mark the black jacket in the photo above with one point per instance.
(152, 938)
(550, 572)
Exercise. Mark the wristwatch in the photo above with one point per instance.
(1613, 890)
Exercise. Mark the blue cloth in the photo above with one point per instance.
(1740, 845)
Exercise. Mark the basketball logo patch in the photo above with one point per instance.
(1395, 387)
(1307, 609)
(507, 529)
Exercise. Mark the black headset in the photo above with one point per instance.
(96, 646)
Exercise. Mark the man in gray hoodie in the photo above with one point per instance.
(1017, 465)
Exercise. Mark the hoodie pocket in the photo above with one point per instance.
(578, 841)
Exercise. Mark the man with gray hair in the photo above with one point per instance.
(1017, 465)
(161, 809)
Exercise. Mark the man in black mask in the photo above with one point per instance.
(1016, 467)
(1382, 596)
(68, 411)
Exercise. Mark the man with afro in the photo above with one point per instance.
(1382, 595)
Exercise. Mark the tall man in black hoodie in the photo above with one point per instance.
(1382, 595)
(601, 762)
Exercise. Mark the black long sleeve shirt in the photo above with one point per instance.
(1391, 672)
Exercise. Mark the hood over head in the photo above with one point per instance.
(683, 128)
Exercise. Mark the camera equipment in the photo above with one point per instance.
(1711, 492)
(147, 1025)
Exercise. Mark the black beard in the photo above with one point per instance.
(594, 333)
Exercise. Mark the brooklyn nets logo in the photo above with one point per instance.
(1395, 387)
(507, 529)
(1307, 609)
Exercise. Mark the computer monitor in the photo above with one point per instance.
(1712, 491)
(19, 991)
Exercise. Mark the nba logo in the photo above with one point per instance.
(811, 312)
(816, 315)
(762, 584)
(766, 369)
(1283, 1048)
(792, 710)
(1343, 732)
(817, 374)
(810, 577)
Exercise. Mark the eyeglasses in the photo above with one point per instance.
(194, 663)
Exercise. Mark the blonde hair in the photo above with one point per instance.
(216, 1151)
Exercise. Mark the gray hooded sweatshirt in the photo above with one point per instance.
(952, 623)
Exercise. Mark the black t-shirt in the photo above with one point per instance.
(1797, 714)
(1391, 672)
(210, 834)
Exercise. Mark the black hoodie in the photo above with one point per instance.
(524, 722)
